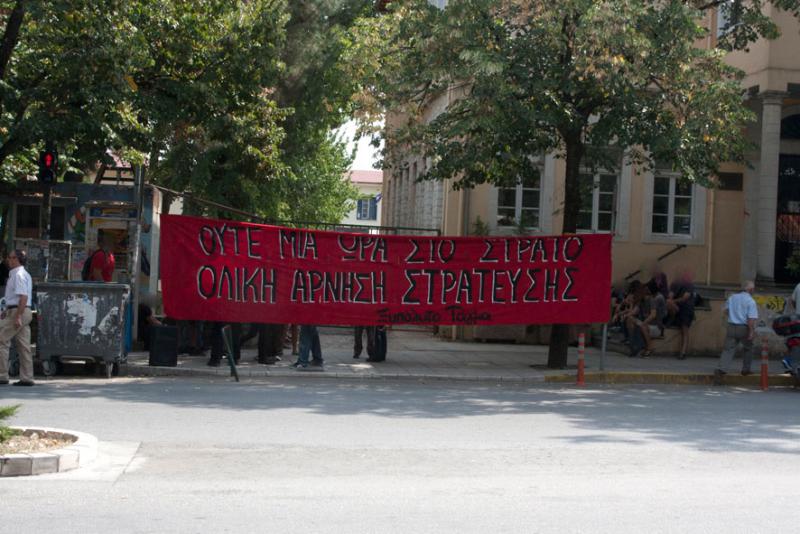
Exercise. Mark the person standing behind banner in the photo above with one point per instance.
(270, 343)
(218, 346)
(15, 320)
(309, 343)
(358, 346)
(102, 264)
(380, 345)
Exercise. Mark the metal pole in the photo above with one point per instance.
(604, 345)
(581, 381)
(764, 363)
(47, 208)
(138, 191)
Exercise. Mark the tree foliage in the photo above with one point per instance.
(223, 98)
(625, 73)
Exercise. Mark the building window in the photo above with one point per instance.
(441, 4)
(367, 209)
(730, 181)
(790, 127)
(519, 205)
(598, 211)
(672, 205)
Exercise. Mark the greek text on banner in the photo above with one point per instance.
(229, 271)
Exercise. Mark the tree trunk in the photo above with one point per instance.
(559, 334)
(11, 36)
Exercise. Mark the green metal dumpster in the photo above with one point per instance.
(81, 320)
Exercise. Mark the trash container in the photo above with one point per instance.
(83, 320)
(163, 346)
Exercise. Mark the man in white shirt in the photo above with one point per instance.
(742, 316)
(15, 320)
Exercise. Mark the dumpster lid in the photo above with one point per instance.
(77, 285)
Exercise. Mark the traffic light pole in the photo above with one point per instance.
(136, 260)
(47, 208)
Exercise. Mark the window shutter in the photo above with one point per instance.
(373, 209)
(358, 209)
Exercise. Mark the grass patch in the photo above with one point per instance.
(6, 432)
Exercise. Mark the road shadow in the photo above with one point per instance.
(709, 419)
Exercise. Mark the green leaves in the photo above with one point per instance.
(5, 413)
(231, 100)
(483, 85)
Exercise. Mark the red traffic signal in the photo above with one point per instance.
(48, 164)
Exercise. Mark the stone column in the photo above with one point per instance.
(405, 197)
(388, 200)
(770, 147)
(429, 205)
(438, 206)
(396, 192)
(749, 261)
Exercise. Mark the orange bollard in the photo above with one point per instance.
(764, 364)
(581, 346)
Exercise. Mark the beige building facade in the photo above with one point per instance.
(743, 229)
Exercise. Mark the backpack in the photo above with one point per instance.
(86, 270)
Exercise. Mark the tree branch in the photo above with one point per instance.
(712, 4)
(11, 36)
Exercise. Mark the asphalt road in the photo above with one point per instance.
(382, 456)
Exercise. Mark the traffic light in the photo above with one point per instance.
(48, 164)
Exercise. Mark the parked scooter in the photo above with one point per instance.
(788, 326)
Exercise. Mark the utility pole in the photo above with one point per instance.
(135, 268)
(48, 166)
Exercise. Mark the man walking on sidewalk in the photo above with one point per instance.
(16, 319)
(742, 317)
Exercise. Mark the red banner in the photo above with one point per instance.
(240, 272)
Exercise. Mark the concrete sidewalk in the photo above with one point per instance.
(420, 355)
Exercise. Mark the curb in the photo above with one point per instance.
(224, 372)
(688, 379)
(82, 452)
(609, 377)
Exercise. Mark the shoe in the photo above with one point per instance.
(646, 353)
(267, 361)
(214, 363)
(317, 363)
(681, 356)
(356, 356)
(374, 360)
(23, 383)
(299, 365)
(718, 374)
(3, 382)
(746, 372)
(786, 364)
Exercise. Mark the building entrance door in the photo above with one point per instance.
(787, 233)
